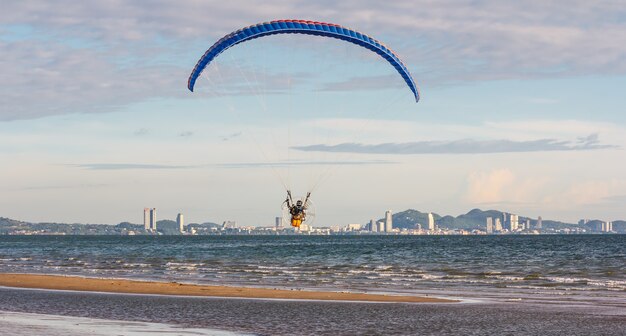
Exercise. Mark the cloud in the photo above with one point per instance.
(231, 136)
(489, 187)
(185, 134)
(94, 56)
(126, 166)
(48, 78)
(301, 163)
(591, 192)
(503, 187)
(55, 187)
(616, 199)
(143, 166)
(465, 146)
(141, 131)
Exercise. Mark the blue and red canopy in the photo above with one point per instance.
(307, 28)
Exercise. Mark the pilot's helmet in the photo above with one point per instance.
(299, 203)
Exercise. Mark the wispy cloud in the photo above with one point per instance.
(74, 186)
(465, 146)
(141, 131)
(148, 166)
(126, 166)
(302, 163)
(617, 199)
(231, 136)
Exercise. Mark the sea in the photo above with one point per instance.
(507, 284)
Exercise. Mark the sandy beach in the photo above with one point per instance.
(58, 282)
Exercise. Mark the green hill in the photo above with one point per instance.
(474, 219)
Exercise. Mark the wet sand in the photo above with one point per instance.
(296, 317)
(28, 324)
(58, 282)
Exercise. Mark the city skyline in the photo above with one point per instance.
(521, 109)
(430, 226)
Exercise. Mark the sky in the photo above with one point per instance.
(522, 110)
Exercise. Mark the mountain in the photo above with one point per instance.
(7, 225)
(10, 225)
(474, 219)
(168, 227)
(129, 226)
(410, 218)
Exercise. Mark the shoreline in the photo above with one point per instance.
(124, 286)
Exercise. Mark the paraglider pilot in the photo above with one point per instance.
(297, 210)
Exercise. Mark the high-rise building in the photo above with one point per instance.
(279, 222)
(180, 220)
(604, 226)
(146, 219)
(498, 225)
(511, 221)
(506, 223)
(373, 226)
(539, 223)
(388, 221)
(153, 219)
(514, 222)
(381, 226)
(431, 222)
(489, 225)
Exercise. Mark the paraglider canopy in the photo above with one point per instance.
(302, 27)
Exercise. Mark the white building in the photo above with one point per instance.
(180, 220)
(146, 219)
(381, 226)
(498, 225)
(373, 226)
(388, 221)
(514, 222)
(489, 225)
(431, 222)
(511, 222)
(605, 226)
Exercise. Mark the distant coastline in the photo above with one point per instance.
(405, 222)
